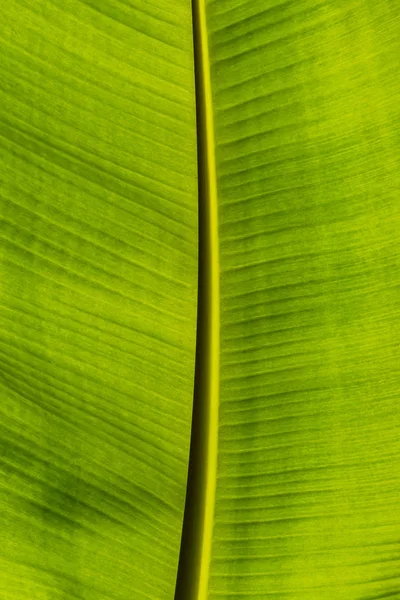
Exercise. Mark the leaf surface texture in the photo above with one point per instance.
(98, 258)
(306, 104)
(98, 296)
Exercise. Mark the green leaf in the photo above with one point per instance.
(307, 111)
(293, 488)
(98, 297)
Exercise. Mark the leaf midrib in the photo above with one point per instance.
(195, 556)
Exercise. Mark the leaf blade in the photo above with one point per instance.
(99, 215)
(305, 113)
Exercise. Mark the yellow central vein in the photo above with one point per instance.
(195, 555)
(210, 395)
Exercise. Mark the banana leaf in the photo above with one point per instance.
(307, 114)
(98, 298)
(200, 249)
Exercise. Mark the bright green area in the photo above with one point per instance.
(307, 119)
(98, 266)
(98, 291)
